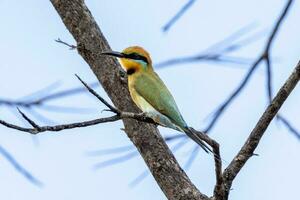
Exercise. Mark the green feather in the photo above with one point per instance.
(153, 90)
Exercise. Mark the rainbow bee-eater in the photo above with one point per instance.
(149, 92)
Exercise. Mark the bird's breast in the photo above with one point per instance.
(140, 101)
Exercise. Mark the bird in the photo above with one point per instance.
(149, 92)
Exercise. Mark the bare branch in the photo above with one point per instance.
(220, 110)
(172, 21)
(269, 79)
(250, 145)
(216, 53)
(119, 115)
(216, 58)
(264, 56)
(19, 168)
(269, 87)
(191, 157)
(61, 127)
(120, 159)
(218, 162)
(72, 47)
(139, 178)
(90, 43)
(32, 123)
(110, 151)
(289, 126)
(116, 160)
(41, 97)
(111, 108)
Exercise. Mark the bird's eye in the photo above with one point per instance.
(136, 56)
(130, 71)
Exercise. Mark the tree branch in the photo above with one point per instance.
(118, 116)
(217, 52)
(218, 162)
(264, 56)
(19, 168)
(179, 14)
(90, 43)
(250, 145)
(289, 126)
(40, 98)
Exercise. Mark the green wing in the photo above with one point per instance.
(154, 91)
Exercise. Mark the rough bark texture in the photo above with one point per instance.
(90, 42)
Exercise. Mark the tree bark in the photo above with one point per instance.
(90, 43)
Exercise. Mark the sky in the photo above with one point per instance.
(62, 162)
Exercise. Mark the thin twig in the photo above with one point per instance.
(39, 129)
(116, 160)
(109, 151)
(111, 108)
(118, 115)
(72, 47)
(32, 123)
(269, 79)
(216, 52)
(192, 157)
(220, 110)
(19, 168)
(264, 56)
(289, 126)
(40, 99)
(179, 14)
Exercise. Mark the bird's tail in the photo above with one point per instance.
(195, 136)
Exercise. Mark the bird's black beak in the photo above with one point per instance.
(114, 53)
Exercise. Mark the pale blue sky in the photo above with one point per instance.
(31, 60)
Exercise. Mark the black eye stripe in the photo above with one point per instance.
(136, 56)
(130, 71)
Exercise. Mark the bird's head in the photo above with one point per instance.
(133, 59)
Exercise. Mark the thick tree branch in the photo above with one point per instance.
(90, 43)
(250, 145)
